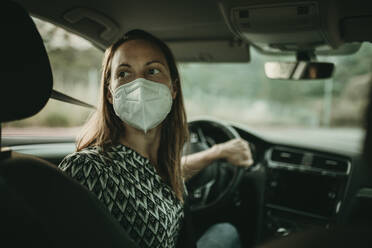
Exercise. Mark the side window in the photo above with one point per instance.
(76, 70)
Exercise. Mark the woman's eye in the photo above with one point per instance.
(122, 74)
(153, 71)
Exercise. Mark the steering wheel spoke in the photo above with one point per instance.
(201, 194)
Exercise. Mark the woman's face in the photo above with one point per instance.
(139, 59)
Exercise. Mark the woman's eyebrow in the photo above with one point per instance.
(123, 64)
(155, 61)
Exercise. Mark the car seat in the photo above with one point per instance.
(40, 206)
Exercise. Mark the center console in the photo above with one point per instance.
(304, 189)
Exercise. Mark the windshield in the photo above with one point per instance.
(237, 92)
(241, 93)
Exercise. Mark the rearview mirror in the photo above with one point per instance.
(300, 70)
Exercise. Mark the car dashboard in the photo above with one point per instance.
(304, 187)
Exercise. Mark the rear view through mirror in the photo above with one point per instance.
(300, 70)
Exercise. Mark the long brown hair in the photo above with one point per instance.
(104, 128)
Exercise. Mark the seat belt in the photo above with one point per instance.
(56, 95)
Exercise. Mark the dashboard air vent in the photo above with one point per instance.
(330, 164)
(285, 156)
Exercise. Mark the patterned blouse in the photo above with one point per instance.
(132, 190)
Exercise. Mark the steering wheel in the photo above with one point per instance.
(215, 184)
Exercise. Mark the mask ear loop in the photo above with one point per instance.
(174, 91)
(111, 92)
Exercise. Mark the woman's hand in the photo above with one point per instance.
(236, 152)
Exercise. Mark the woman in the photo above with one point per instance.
(129, 153)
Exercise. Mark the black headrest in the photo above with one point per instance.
(26, 76)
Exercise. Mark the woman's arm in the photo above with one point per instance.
(235, 151)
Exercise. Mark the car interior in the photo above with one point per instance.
(295, 185)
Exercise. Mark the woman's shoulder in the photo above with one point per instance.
(97, 155)
(86, 154)
(90, 155)
(86, 166)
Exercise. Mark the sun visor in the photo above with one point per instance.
(279, 27)
(356, 29)
(92, 24)
(210, 51)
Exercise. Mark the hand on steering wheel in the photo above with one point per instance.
(235, 152)
(216, 184)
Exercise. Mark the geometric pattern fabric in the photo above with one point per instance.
(132, 190)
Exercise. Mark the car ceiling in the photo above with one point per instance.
(176, 22)
(169, 20)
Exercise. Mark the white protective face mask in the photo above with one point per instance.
(142, 103)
